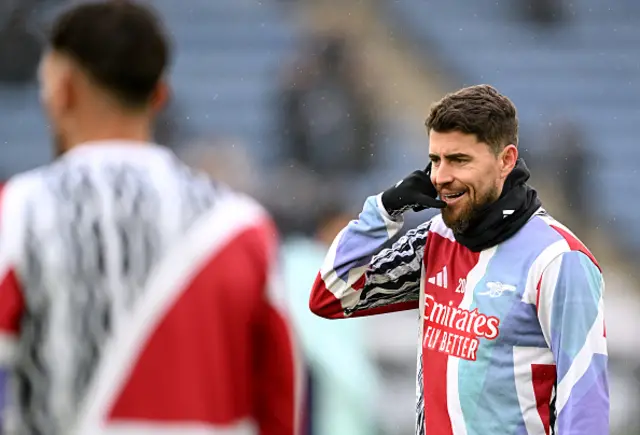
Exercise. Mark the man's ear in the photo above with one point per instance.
(508, 159)
(160, 96)
(56, 77)
(66, 89)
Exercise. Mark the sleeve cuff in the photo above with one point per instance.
(385, 215)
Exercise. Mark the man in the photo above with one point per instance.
(137, 296)
(512, 335)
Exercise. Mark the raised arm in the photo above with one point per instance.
(359, 278)
(571, 312)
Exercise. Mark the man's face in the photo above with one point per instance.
(467, 175)
(55, 81)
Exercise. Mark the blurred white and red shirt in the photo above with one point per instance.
(139, 297)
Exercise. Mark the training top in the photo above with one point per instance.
(512, 338)
(139, 297)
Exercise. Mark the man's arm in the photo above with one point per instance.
(276, 371)
(11, 309)
(358, 278)
(571, 312)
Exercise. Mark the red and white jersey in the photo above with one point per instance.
(139, 297)
(512, 338)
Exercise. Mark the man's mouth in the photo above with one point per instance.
(450, 198)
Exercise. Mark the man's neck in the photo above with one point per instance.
(134, 132)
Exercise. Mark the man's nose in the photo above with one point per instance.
(441, 174)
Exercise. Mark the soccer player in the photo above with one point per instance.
(136, 295)
(512, 335)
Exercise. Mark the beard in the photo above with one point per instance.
(458, 220)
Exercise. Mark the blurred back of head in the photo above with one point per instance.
(104, 71)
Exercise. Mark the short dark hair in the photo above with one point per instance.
(121, 45)
(480, 110)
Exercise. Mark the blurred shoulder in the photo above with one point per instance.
(26, 185)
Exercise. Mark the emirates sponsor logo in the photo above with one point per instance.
(456, 331)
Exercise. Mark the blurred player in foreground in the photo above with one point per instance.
(512, 334)
(137, 296)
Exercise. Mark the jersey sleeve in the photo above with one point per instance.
(11, 310)
(276, 376)
(359, 277)
(11, 300)
(571, 313)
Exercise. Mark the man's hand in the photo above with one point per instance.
(416, 192)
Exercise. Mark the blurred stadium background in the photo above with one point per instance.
(311, 105)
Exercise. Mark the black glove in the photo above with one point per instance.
(416, 192)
